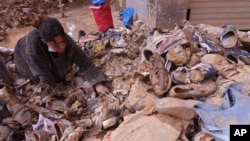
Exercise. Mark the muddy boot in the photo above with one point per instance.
(159, 77)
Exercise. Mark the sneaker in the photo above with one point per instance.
(193, 90)
(198, 73)
(179, 55)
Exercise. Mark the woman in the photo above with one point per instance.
(46, 54)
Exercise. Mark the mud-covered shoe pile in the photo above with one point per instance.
(162, 82)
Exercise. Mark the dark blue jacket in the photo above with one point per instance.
(34, 61)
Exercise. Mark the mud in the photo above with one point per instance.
(77, 18)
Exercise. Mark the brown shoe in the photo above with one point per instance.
(221, 64)
(197, 73)
(179, 55)
(176, 39)
(194, 59)
(193, 90)
(159, 77)
(228, 69)
(229, 37)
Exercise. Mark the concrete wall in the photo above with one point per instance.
(140, 7)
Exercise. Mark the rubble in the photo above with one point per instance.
(20, 13)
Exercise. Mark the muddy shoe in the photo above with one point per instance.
(201, 72)
(181, 75)
(194, 59)
(202, 136)
(229, 37)
(179, 55)
(171, 41)
(159, 77)
(176, 107)
(206, 43)
(197, 73)
(118, 42)
(240, 56)
(153, 42)
(221, 64)
(109, 122)
(193, 90)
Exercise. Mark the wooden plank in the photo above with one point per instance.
(220, 21)
(218, 0)
(240, 26)
(220, 4)
(233, 16)
(221, 10)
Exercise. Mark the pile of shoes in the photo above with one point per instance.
(160, 80)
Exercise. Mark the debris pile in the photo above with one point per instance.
(162, 83)
(19, 13)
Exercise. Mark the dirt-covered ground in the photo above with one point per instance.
(78, 17)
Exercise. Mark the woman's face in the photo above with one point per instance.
(58, 45)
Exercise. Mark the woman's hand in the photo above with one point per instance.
(101, 89)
